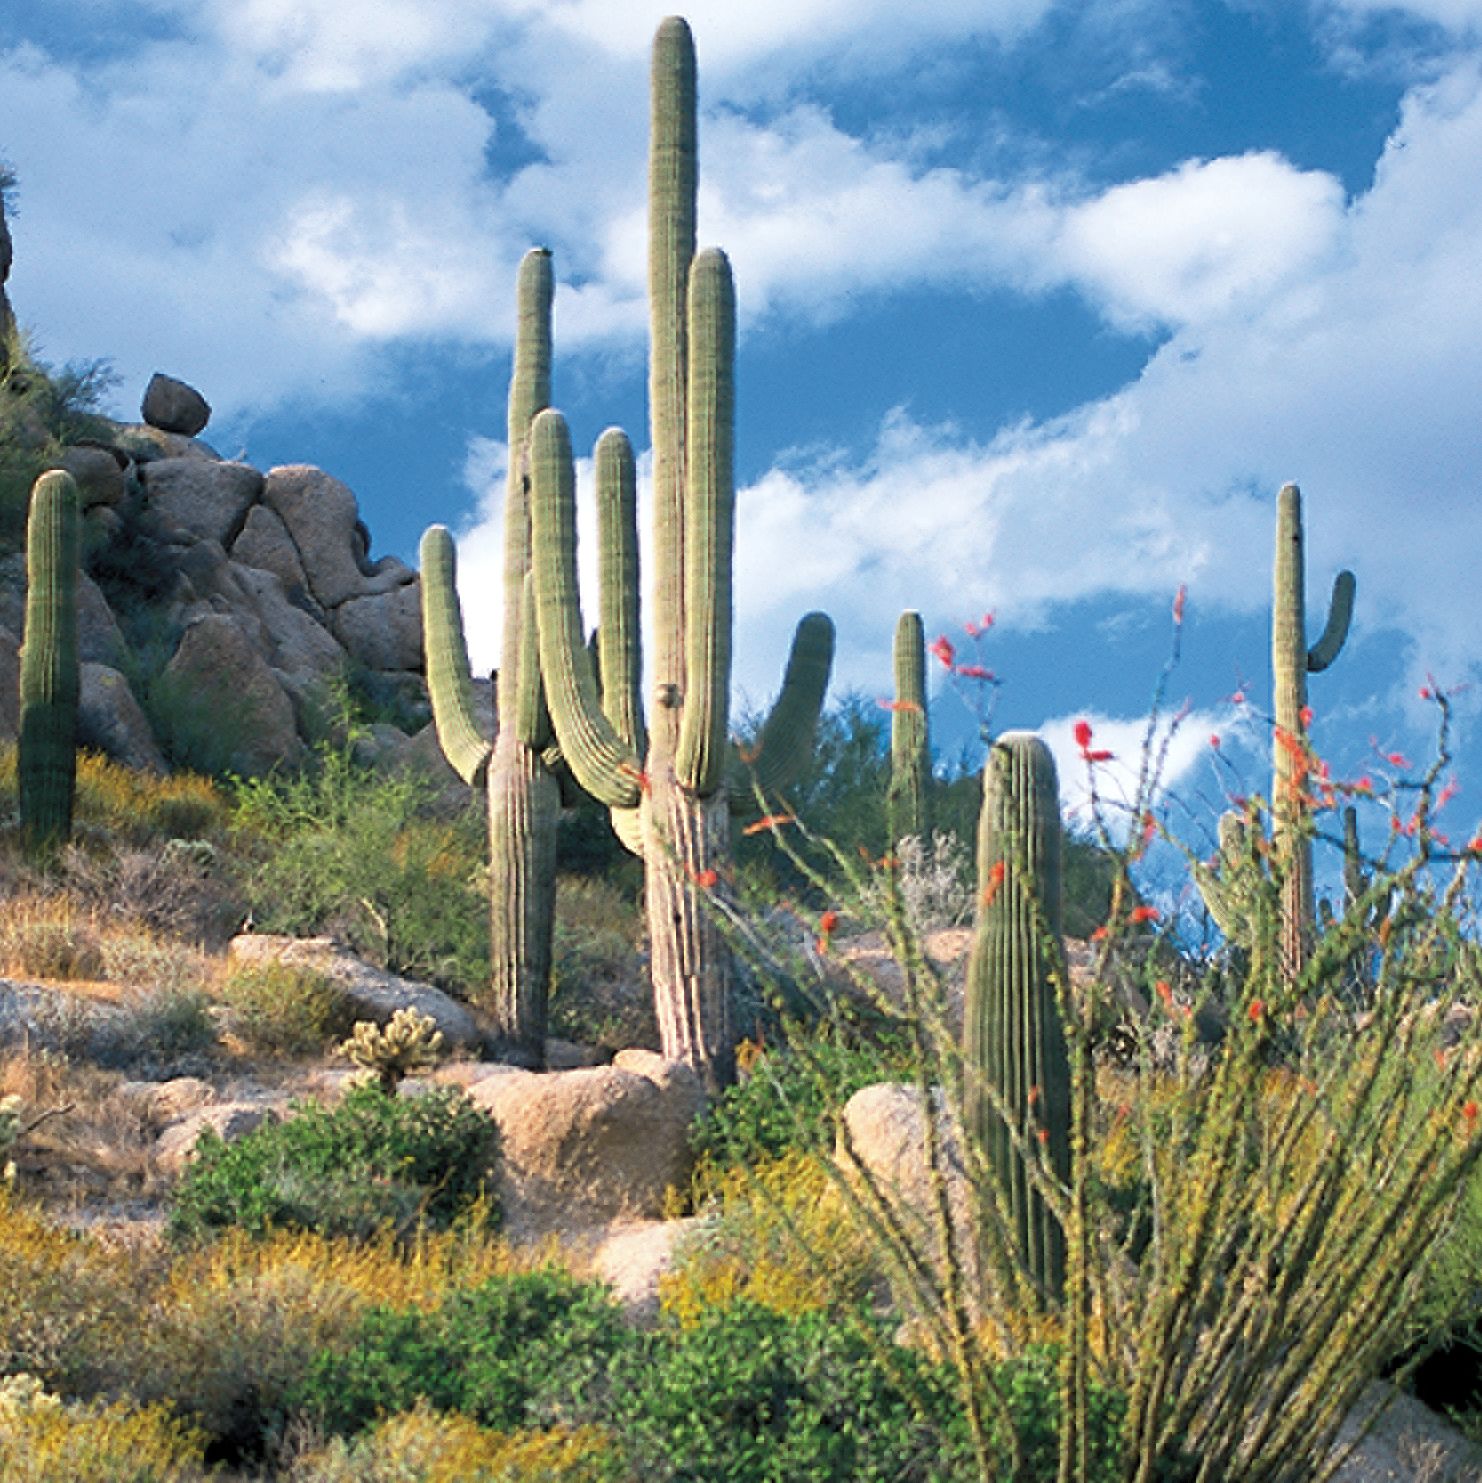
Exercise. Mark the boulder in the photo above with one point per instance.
(206, 500)
(320, 515)
(589, 1147)
(229, 689)
(98, 474)
(228, 1120)
(383, 631)
(265, 544)
(297, 643)
(144, 444)
(373, 993)
(110, 720)
(99, 638)
(174, 407)
(165, 1101)
(631, 1257)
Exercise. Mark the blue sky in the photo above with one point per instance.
(1041, 302)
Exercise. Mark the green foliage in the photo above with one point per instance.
(791, 1102)
(341, 848)
(514, 1351)
(371, 1162)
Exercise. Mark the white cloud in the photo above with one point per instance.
(1460, 16)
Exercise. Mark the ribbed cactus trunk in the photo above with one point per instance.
(1013, 1036)
(1291, 662)
(670, 791)
(523, 794)
(47, 761)
(910, 742)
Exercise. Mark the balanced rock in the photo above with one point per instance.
(589, 1147)
(174, 407)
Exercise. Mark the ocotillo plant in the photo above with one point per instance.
(1014, 1048)
(910, 743)
(670, 792)
(1291, 662)
(524, 799)
(47, 761)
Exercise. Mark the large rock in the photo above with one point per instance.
(174, 407)
(383, 631)
(230, 690)
(228, 1120)
(373, 993)
(631, 1257)
(207, 500)
(265, 544)
(99, 638)
(145, 444)
(589, 1147)
(110, 720)
(98, 474)
(321, 515)
(298, 644)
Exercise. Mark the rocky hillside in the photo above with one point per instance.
(220, 603)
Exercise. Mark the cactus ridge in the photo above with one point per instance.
(50, 675)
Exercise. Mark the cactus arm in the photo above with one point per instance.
(598, 757)
(673, 181)
(531, 720)
(50, 677)
(910, 743)
(449, 682)
(619, 639)
(710, 523)
(786, 738)
(1335, 633)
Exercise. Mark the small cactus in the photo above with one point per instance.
(910, 742)
(1013, 1036)
(409, 1042)
(50, 676)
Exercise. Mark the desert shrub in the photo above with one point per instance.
(139, 957)
(43, 1440)
(748, 1248)
(516, 1351)
(746, 1394)
(425, 1446)
(791, 1101)
(344, 850)
(50, 937)
(281, 1009)
(374, 1161)
(145, 807)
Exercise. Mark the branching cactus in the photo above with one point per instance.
(1013, 1035)
(1291, 662)
(670, 783)
(524, 795)
(407, 1043)
(47, 762)
(910, 742)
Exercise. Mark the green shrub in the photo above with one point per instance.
(784, 1103)
(280, 1009)
(371, 1162)
(749, 1395)
(346, 850)
(515, 1351)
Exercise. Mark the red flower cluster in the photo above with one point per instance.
(941, 647)
(977, 630)
(1083, 741)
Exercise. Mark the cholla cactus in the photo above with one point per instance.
(10, 1132)
(409, 1042)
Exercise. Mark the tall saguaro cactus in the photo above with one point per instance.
(524, 800)
(1013, 1036)
(910, 743)
(1291, 662)
(670, 789)
(47, 761)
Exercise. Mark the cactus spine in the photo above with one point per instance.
(669, 791)
(524, 796)
(1013, 1037)
(910, 743)
(1291, 662)
(47, 761)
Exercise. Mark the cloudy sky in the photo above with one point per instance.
(1041, 302)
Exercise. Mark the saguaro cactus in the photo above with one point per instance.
(1291, 662)
(47, 761)
(669, 791)
(524, 799)
(910, 743)
(1013, 1036)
